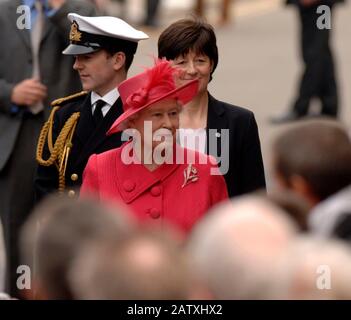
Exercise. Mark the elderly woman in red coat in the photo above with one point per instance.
(159, 180)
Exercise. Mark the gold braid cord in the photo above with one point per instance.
(59, 152)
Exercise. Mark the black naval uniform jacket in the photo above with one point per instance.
(87, 140)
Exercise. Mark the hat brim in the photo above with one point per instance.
(75, 49)
(183, 94)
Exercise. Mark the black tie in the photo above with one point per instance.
(98, 116)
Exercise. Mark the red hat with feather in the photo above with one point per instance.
(151, 86)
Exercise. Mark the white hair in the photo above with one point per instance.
(318, 269)
(237, 248)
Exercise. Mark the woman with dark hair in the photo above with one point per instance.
(208, 125)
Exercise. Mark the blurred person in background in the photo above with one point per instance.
(237, 248)
(318, 79)
(313, 158)
(225, 10)
(101, 6)
(3, 295)
(151, 13)
(148, 265)
(55, 234)
(151, 173)
(332, 217)
(222, 130)
(33, 72)
(292, 203)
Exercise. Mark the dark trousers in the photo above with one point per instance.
(17, 193)
(318, 79)
(151, 12)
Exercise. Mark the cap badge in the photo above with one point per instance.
(75, 34)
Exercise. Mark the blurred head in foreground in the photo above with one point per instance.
(56, 232)
(318, 269)
(236, 249)
(146, 265)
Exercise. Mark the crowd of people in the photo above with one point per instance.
(254, 246)
(148, 187)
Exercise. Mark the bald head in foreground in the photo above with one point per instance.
(237, 248)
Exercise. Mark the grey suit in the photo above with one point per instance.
(16, 63)
(18, 128)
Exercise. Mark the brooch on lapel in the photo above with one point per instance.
(190, 175)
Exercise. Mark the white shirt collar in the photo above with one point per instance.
(110, 98)
(194, 139)
(324, 217)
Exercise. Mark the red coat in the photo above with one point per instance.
(156, 195)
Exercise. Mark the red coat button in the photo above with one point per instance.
(155, 213)
(128, 185)
(155, 191)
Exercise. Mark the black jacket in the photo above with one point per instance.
(87, 140)
(246, 171)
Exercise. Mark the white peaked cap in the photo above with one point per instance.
(89, 34)
(107, 26)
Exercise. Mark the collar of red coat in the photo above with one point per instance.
(133, 179)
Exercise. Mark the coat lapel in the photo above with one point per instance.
(90, 135)
(48, 26)
(138, 176)
(215, 121)
(24, 34)
(85, 124)
(83, 129)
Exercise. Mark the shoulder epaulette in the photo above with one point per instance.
(72, 97)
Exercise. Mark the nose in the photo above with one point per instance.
(191, 68)
(77, 63)
(167, 123)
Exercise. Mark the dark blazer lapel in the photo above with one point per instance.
(85, 125)
(98, 136)
(83, 129)
(215, 120)
(48, 26)
(13, 16)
